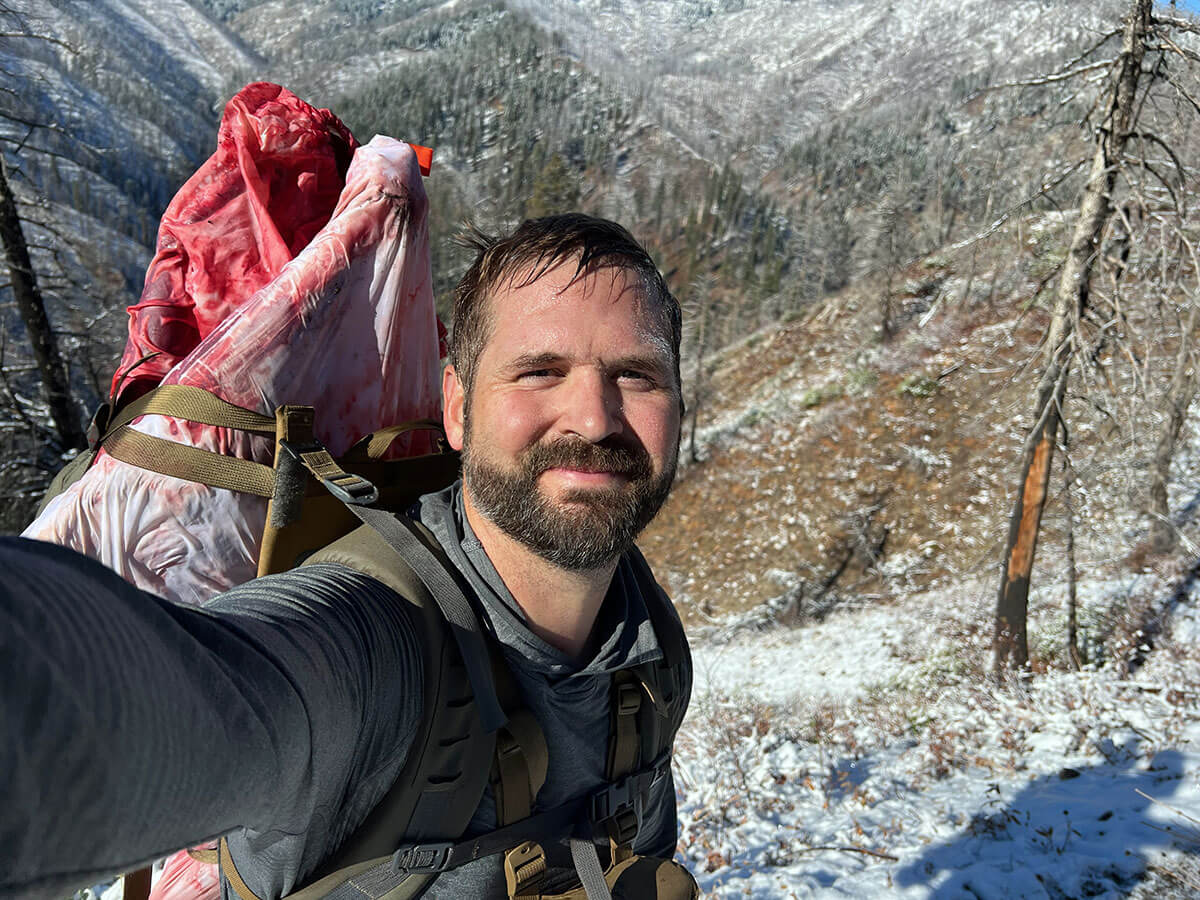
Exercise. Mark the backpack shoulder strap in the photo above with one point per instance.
(443, 779)
(666, 680)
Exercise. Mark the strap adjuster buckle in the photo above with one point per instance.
(347, 487)
(524, 869)
(623, 826)
(629, 699)
(352, 489)
(425, 858)
(615, 809)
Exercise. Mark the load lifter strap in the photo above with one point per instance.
(373, 446)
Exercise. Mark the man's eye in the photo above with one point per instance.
(538, 373)
(634, 375)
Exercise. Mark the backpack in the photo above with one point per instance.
(474, 731)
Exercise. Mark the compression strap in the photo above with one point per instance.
(585, 817)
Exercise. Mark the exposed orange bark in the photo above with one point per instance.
(1033, 499)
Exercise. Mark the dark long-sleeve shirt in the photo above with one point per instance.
(278, 713)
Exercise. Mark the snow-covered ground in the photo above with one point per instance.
(869, 755)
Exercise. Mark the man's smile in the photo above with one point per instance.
(587, 477)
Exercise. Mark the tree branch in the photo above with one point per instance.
(1104, 39)
(1049, 79)
(1177, 24)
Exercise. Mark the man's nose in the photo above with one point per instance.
(591, 407)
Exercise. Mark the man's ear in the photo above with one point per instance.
(453, 405)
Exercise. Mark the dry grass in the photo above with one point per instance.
(886, 470)
(845, 470)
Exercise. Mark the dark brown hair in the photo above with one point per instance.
(539, 245)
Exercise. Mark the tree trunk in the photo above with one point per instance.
(700, 388)
(1010, 645)
(1176, 401)
(1072, 585)
(63, 410)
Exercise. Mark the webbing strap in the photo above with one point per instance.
(510, 781)
(185, 401)
(189, 463)
(320, 462)
(401, 534)
(587, 865)
(210, 855)
(346, 883)
(625, 741)
(232, 875)
(582, 817)
(441, 856)
(193, 404)
(376, 444)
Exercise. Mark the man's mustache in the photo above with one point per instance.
(610, 457)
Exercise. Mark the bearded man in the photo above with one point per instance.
(563, 396)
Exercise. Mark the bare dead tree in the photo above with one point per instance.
(700, 325)
(1176, 400)
(1073, 654)
(1010, 645)
(64, 412)
(885, 259)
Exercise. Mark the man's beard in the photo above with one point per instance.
(587, 528)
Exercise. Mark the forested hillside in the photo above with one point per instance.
(106, 109)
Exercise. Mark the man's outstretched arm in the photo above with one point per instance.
(131, 726)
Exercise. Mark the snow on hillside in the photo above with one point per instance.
(866, 752)
(798, 61)
(866, 757)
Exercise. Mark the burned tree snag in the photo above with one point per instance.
(63, 410)
(1175, 403)
(1010, 645)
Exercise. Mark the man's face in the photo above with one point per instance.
(571, 431)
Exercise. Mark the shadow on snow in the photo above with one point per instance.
(1070, 835)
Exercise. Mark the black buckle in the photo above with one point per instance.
(629, 699)
(615, 808)
(354, 489)
(426, 858)
(604, 804)
(349, 488)
(623, 826)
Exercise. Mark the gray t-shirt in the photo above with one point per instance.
(283, 710)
